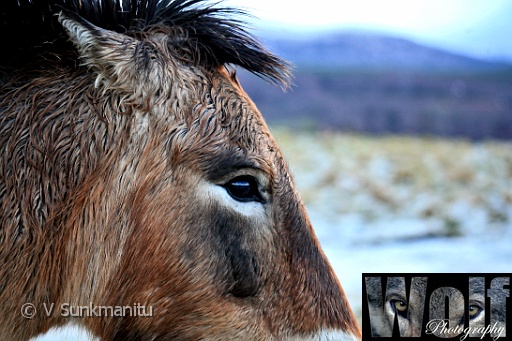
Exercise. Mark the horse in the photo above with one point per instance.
(142, 196)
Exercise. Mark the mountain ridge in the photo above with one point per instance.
(375, 51)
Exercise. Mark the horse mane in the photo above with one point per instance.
(213, 35)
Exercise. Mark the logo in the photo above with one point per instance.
(434, 306)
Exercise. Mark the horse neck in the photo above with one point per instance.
(57, 139)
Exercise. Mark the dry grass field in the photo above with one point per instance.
(458, 186)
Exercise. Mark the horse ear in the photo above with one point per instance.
(120, 60)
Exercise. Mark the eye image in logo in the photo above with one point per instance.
(395, 304)
(417, 306)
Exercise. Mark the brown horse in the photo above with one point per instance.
(142, 196)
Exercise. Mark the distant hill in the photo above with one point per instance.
(380, 85)
(357, 50)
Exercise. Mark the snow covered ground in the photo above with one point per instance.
(402, 204)
(351, 254)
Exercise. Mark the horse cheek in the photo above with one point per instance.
(242, 262)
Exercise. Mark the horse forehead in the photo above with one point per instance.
(235, 116)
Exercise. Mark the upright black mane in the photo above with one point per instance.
(29, 30)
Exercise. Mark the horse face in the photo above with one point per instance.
(226, 240)
(209, 231)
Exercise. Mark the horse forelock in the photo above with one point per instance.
(198, 33)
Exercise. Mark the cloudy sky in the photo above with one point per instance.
(481, 28)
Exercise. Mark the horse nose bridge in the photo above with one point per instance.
(302, 244)
(310, 290)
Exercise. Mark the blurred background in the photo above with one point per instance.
(398, 129)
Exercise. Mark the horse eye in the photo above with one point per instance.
(399, 306)
(474, 311)
(244, 188)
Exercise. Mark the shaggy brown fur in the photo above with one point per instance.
(113, 188)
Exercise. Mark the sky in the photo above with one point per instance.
(479, 28)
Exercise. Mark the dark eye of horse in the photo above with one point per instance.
(244, 188)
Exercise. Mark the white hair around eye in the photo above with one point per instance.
(214, 193)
